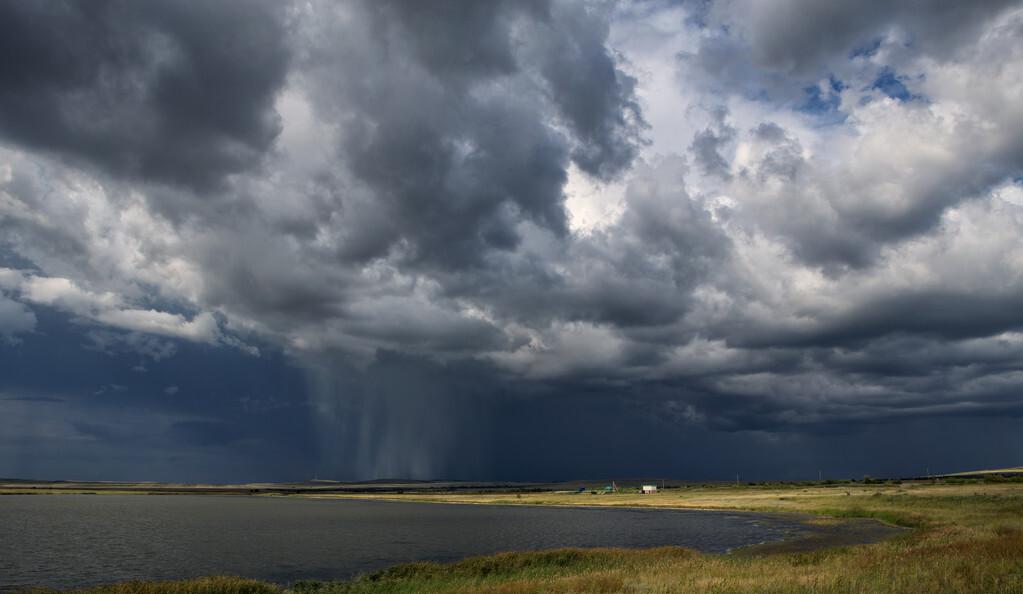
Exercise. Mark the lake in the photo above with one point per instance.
(66, 541)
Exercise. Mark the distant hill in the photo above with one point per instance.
(1002, 471)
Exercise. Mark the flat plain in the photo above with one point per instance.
(962, 535)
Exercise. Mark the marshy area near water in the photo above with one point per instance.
(69, 541)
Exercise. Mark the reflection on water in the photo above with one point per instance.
(66, 541)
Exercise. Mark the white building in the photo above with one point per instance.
(649, 488)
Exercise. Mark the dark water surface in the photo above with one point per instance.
(66, 541)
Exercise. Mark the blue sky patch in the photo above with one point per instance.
(824, 103)
(891, 84)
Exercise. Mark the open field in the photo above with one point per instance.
(966, 538)
(1016, 470)
(822, 499)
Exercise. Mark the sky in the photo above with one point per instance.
(263, 240)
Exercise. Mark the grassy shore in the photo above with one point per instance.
(965, 537)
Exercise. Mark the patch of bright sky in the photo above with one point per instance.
(1011, 192)
(304, 138)
(648, 42)
(592, 205)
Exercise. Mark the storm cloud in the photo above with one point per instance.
(468, 225)
(162, 92)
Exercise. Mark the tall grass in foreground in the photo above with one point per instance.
(205, 585)
(966, 539)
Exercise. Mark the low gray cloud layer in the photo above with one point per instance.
(808, 219)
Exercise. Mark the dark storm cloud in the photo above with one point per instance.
(943, 314)
(592, 94)
(452, 133)
(708, 144)
(457, 38)
(405, 416)
(233, 416)
(795, 258)
(637, 273)
(449, 132)
(160, 91)
(907, 355)
(797, 35)
(563, 428)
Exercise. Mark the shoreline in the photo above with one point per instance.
(895, 537)
(817, 532)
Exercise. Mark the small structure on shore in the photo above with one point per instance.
(648, 489)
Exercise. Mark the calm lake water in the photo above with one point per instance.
(66, 541)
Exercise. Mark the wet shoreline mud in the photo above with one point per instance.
(821, 533)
